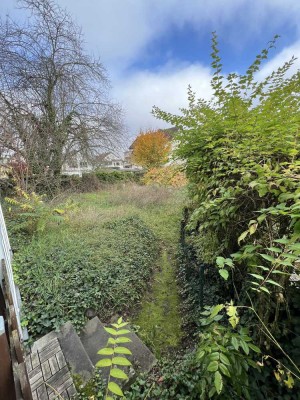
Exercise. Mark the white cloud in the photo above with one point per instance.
(166, 88)
(120, 30)
(279, 59)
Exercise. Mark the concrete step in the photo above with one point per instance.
(94, 337)
(74, 352)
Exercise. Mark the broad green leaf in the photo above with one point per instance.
(115, 389)
(262, 267)
(267, 257)
(254, 348)
(122, 350)
(213, 366)
(122, 332)
(120, 361)
(235, 343)
(214, 356)
(276, 271)
(216, 310)
(252, 229)
(212, 392)
(123, 340)
(200, 354)
(257, 276)
(224, 370)
(118, 373)
(224, 273)
(282, 241)
(275, 249)
(218, 382)
(111, 331)
(120, 320)
(106, 362)
(242, 236)
(244, 346)
(264, 289)
(118, 326)
(111, 341)
(123, 324)
(224, 359)
(273, 282)
(109, 398)
(107, 351)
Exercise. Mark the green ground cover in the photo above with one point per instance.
(102, 259)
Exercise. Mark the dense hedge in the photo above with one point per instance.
(95, 180)
(63, 275)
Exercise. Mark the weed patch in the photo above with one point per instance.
(104, 268)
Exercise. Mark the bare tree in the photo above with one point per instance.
(53, 96)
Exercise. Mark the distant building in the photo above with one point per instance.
(108, 160)
(76, 165)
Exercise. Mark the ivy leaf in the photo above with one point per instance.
(218, 382)
(224, 273)
(120, 361)
(115, 389)
(118, 373)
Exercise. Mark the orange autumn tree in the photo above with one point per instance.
(151, 149)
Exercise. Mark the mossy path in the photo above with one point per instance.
(159, 318)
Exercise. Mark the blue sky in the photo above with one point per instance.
(153, 49)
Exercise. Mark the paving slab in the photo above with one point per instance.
(94, 337)
(74, 352)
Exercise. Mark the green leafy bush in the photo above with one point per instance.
(242, 153)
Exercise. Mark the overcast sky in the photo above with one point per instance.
(152, 49)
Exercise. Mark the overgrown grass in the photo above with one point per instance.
(159, 318)
(101, 259)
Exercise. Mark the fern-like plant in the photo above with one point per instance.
(115, 357)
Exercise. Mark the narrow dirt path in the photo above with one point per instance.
(159, 318)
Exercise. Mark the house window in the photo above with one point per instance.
(83, 164)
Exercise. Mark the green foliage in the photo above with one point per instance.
(27, 212)
(225, 354)
(159, 320)
(105, 268)
(113, 349)
(242, 154)
(118, 176)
